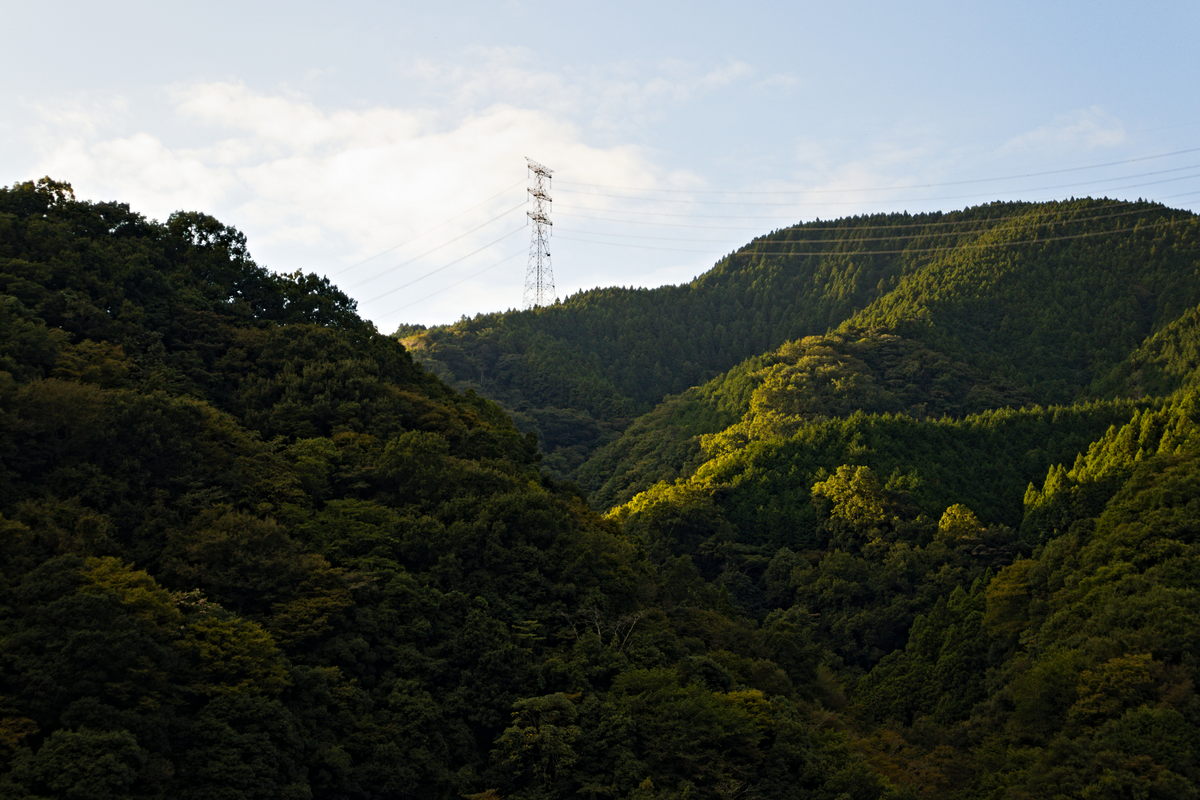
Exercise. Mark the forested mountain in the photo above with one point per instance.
(868, 482)
(918, 535)
(578, 371)
(967, 332)
(250, 550)
(1006, 289)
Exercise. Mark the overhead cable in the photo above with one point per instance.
(448, 287)
(894, 200)
(923, 232)
(752, 250)
(420, 236)
(565, 184)
(445, 266)
(791, 220)
(813, 191)
(443, 244)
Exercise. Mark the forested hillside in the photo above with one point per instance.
(880, 482)
(987, 640)
(1005, 289)
(250, 550)
(829, 376)
(578, 371)
(925, 539)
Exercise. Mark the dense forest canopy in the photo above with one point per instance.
(1030, 302)
(893, 507)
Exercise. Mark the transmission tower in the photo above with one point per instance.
(539, 277)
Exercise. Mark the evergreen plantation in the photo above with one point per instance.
(886, 507)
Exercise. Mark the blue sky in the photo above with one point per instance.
(382, 143)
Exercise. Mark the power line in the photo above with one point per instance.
(871, 228)
(420, 236)
(751, 250)
(803, 192)
(444, 266)
(643, 221)
(1151, 183)
(953, 227)
(791, 220)
(798, 203)
(757, 251)
(675, 224)
(443, 244)
(448, 287)
(905, 186)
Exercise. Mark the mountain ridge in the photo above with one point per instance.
(916, 280)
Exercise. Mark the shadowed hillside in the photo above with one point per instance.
(250, 549)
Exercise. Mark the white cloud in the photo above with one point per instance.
(726, 75)
(317, 188)
(828, 180)
(84, 115)
(140, 169)
(781, 80)
(616, 98)
(1083, 129)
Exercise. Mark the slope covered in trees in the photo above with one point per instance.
(1163, 363)
(579, 370)
(1005, 289)
(249, 548)
(979, 645)
(829, 376)
(1071, 672)
(992, 639)
(974, 647)
(988, 324)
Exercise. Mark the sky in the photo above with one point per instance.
(383, 144)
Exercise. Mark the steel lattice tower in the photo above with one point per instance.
(539, 277)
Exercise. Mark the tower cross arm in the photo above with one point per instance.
(540, 169)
